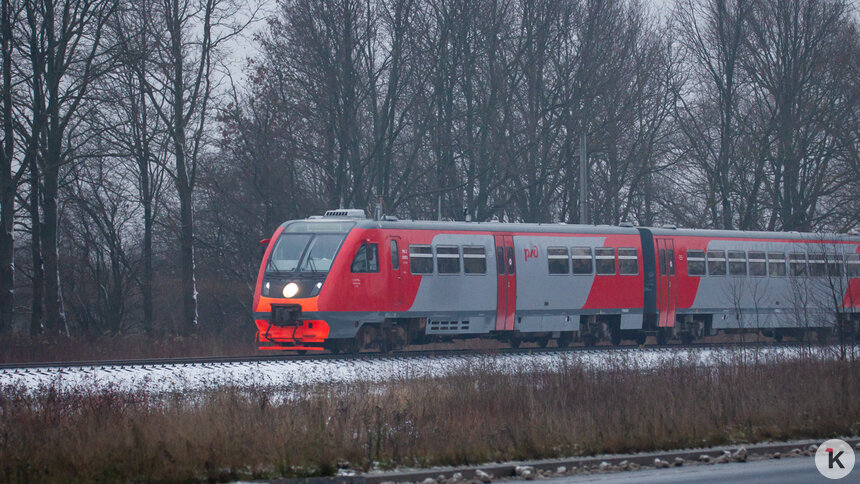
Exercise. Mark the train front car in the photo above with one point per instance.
(291, 284)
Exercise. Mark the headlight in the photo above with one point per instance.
(316, 289)
(291, 290)
(266, 288)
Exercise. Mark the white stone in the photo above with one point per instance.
(483, 476)
(520, 470)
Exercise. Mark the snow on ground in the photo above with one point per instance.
(297, 373)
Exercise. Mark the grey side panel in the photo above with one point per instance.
(443, 294)
(537, 289)
(768, 302)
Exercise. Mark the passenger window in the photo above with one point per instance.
(500, 260)
(716, 263)
(696, 263)
(421, 259)
(758, 264)
(448, 259)
(852, 265)
(628, 261)
(395, 256)
(581, 260)
(834, 265)
(474, 260)
(776, 264)
(816, 265)
(366, 259)
(797, 262)
(605, 259)
(737, 263)
(558, 260)
(511, 262)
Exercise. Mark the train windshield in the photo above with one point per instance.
(297, 250)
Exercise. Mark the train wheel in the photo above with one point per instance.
(687, 338)
(515, 343)
(335, 348)
(662, 337)
(349, 346)
(588, 340)
(641, 337)
(302, 352)
(777, 336)
(544, 342)
(615, 337)
(564, 340)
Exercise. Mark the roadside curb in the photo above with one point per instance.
(509, 469)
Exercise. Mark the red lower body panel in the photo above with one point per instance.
(306, 335)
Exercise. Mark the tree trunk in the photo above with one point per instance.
(184, 184)
(7, 183)
(147, 257)
(55, 317)
(36, 250)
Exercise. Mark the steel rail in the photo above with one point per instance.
(179, 361)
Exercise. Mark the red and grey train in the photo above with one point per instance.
(344, 282)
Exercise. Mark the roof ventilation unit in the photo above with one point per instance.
(346, 213)
(626, 224)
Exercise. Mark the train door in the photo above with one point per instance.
(399, 259)
(506, 305)
(667, 288)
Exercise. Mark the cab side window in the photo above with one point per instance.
(366, 259)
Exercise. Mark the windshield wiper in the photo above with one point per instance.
(271, 264)
(313, 266)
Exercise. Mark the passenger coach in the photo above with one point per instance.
(345, 283)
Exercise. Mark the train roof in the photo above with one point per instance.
(392, 223)
(748, 234)
(498, 227)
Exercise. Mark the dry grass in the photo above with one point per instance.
(476, 415)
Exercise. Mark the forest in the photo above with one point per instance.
(148, 145)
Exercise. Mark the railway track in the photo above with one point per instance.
(288, 371)
(379, 355)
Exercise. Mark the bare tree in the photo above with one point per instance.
(131, 127)
(187, 36)
(9, 16)
(66, 55)
(793, 47)
(713, 33)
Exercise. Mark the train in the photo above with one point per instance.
(344, 282)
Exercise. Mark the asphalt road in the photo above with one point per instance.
(773, 471)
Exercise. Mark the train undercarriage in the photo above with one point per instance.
(397, 334)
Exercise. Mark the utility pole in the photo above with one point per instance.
(583, 180)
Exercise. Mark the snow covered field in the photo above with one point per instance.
(292, 374)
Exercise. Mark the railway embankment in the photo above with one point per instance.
(474, 415)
